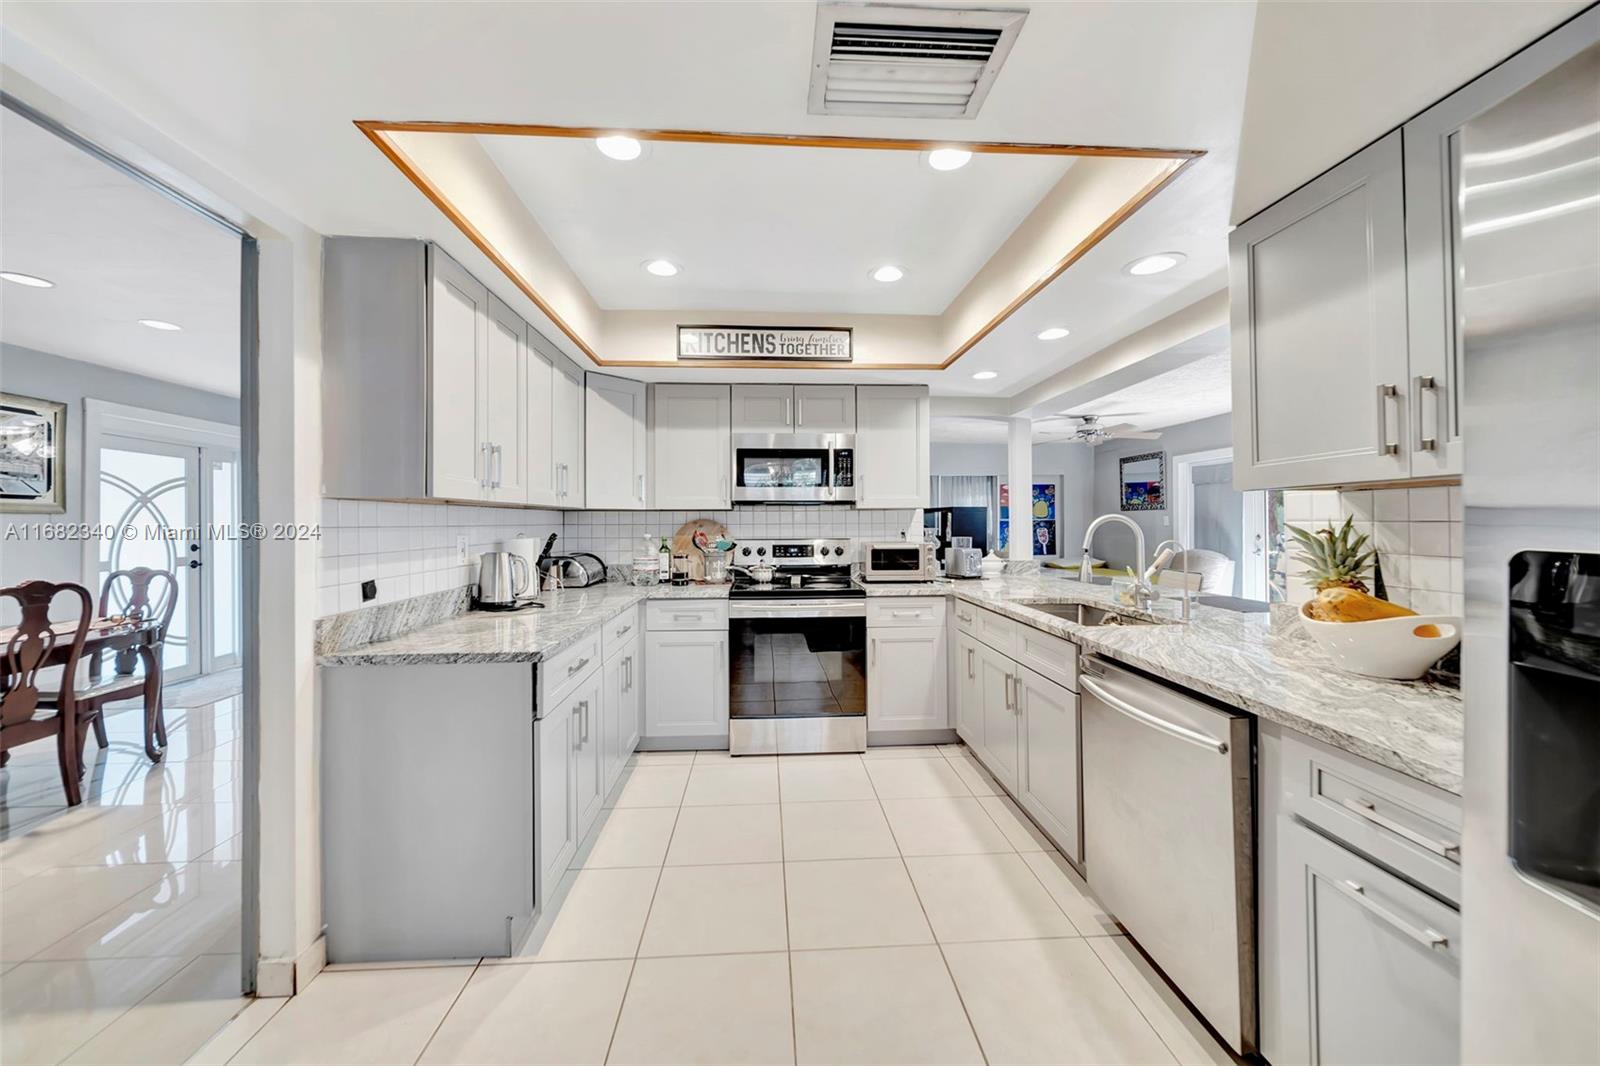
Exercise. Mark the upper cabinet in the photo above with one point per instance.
(614, 444)
(691, 453)
(566, 432)
(539, 428)
(458, 346)
(794, 409)
(891, 446)
(505, 406)
(1318, 299)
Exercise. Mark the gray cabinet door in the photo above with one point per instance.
(555, 821)
(1373, 965)
(763, 408)
(1049, 774)
(566, 428)
(969, 702)
(996, 675)
(458, 324)
(1319, 330)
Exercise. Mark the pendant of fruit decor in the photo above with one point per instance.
(1337, 559)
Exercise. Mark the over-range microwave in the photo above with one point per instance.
(902, 560)
(794, 467)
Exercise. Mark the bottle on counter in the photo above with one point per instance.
(664, 554)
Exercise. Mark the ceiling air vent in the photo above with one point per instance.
(907, 62)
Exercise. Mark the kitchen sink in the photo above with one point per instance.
(1085, 615)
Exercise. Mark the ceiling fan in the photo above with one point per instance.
(1092, 432)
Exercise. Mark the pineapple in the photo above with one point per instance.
(1335, 558)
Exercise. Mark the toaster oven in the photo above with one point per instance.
(901, 560)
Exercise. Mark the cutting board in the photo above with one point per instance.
(683, 543)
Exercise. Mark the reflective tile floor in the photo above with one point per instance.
(886, 908)
(119, 919)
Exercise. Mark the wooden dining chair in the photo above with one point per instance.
(152, 594)
(32, 647)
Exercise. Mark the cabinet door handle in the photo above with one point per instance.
(641, 488)
(1368, 811)
(800, 412)
(1007, 683)
(577, 726)
(1421, 385)
(686, 618)
(498, 454)
(906, 614)
(963, 617)
(575, 667)
(483, 454)
(1385, 445)
(970, 674)
(1428, 938)
(583, 706)
(788, 412)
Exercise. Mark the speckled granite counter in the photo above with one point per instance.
(1414, 727)
(527, 635)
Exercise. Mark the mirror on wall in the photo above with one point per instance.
(32, 477)
(1144, 479)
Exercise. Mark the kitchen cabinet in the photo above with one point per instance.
(1318, 283)
(556, 738)
(458, 342)
(621, 732)
(614, 443)
(1048, 780)
(996, 695)
(794, 409)
(891, 446)
(686, 673)
(585, 702)
(567, 433)
(763, 408)
(539, 459)
(907, 678)
(691, 447)
(505, 406)
(969, 700)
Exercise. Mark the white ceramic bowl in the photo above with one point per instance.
(1385, 647)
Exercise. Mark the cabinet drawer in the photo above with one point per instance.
(1404, 824)
(567, 667)
(686, 614)
(995, 630)
(1047, 653)
(905, 611)
(966, 617)
(619, 630)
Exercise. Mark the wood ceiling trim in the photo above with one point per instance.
(377, 130)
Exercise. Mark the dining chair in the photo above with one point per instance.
(143, 603)
(33, 646)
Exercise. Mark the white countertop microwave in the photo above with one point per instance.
(901, 560)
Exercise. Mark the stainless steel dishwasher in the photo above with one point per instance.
(1169, 832)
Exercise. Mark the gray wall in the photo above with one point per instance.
(43, 376)
(1072, 463)
(1114, 543)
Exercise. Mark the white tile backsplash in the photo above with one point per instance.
(616, 536)
(1417, 533)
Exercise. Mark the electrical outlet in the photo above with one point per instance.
(369, 590)
(461, 550)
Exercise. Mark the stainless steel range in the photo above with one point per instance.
(798, 675)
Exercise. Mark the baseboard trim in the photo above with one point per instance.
(276, 978)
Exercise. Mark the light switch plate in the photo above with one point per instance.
(461, 549)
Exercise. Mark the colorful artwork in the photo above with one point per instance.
(1043, 519)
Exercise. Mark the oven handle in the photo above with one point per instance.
(797, 609)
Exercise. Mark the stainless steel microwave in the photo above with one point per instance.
(794, 467)
(901, 560)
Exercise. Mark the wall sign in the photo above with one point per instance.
(779, 343)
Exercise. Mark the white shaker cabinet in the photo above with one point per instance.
(969, 700)
(555, 819)
(567, 433)
(763, 408)
(996, 693)
(1048, 785)
(825, 408)
(691, 447)
(907, 679)
(621, 733)
(614, 449)
(505, 408)
(1318, 284)
(585, 702)
(540, 459)
(458, 343)
(892, 446)
(686, 692)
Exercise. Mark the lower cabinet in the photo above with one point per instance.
(907, 679)
(686, 692)
(620, 735)
(995, 694)
(969, 706)
(589, 776)
(1048, 778)
(555, 741)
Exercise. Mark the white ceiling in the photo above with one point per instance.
(117, 252)
(1195, 390)
(771, 228)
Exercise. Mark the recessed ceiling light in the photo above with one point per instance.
(1054, 333)
(1154, 264)
(622, 149)
(26, 279)
(156, 323)
(661, 268)
(949, 158)
(888, 272)
(984, 375)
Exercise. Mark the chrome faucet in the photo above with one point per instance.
(1177, 549)
(1143, 594)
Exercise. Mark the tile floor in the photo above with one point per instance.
(886, 908)
(119, 919)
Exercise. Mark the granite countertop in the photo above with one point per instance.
(526, 635)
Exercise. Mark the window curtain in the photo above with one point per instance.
(980, 490)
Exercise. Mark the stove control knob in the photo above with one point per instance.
(838, 550)
(761, 551)
(744, 551)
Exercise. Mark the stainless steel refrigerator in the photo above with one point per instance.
(1529, 299)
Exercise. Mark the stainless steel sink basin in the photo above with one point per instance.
(1085, 615)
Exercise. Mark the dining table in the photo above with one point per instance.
(128, 641)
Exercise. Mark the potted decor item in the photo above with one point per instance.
(1360, 632)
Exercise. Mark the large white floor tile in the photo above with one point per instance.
(810, 778)
(1017, 826)
(974, 775)
(221, 1048)
(555, 1013)
(173, 1022)
(651, 786)
(1050, 1001)
(52, 1008)
(172, 834)
(915, 778)
(1175, 1023)
(850, 830)
(74, 832)
(711, 1009)
(943, 825)
(711, 835)
(628, 836)
(879, 1005)
(853, 903)
(50, 905)
(985, 897)
(357, 1016)
(700, 910)
(1071, 894)
(717, 785)
(192, 910)
(600, 917)
(722, 758)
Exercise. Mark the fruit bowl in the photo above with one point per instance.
(1390, 648)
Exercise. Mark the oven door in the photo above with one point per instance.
(797, 659)
(785, 468)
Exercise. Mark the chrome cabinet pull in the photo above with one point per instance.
(1365, 809)
(963, 617)
(686, 618)
(575, 667)
(788, 412)
(483, 453)
(1385, 445)
(1008, 693)
(641, 488)
(874, 661)
(1422, 384)
(970, 674)
(800, 412)
(497, 457)
(1193, 736)
(583, 707)
(1428, 938)
(577, 727)
(906, 614)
